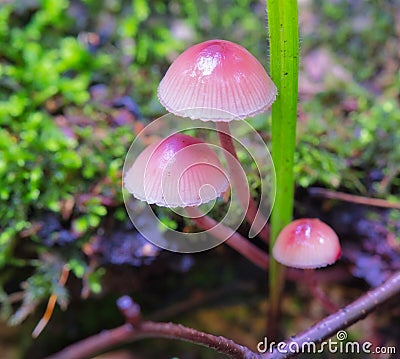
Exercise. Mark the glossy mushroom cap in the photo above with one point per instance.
(307, 243)
(179, 171)
(216, 80)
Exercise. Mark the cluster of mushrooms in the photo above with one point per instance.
(218, 81)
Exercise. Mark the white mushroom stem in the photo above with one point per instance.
(235, 240)
(253, 214)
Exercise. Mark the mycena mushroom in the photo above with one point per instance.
(182, 171)
(216, 80)
(220, 81)
(178, 171)
(307, 243)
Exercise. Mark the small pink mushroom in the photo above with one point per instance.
(178, 171)
(216, 80)
(307, 243)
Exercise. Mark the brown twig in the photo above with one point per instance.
(95, 344)
(376, 202)
(135, 329)
(342, 319)
(127, 333)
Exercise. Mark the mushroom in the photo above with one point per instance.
(216, 80)
(182, 171)
(178, 171)
(307, 243)
(220, 81)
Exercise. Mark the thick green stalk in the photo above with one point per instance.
(284, 60)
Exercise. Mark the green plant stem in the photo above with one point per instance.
(284, 47)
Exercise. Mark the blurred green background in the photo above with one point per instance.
(78, 80)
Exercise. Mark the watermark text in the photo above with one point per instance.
(338, 345)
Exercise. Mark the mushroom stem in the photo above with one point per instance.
(318, 293)
(253, 215)
(230, 237)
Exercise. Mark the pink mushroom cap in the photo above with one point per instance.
(307, 243)
(216, 80)
(178, 171)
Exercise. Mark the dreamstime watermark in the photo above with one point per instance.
(338, 345)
